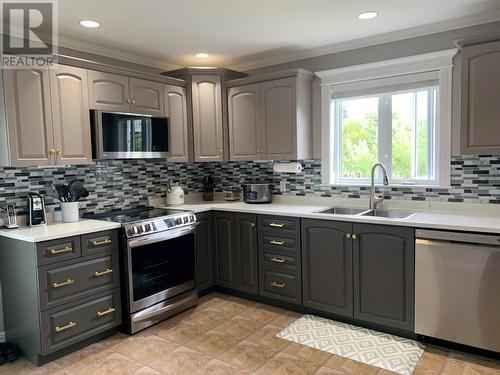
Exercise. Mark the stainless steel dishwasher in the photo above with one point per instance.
(457, 287)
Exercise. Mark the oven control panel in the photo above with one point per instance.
(159, 224)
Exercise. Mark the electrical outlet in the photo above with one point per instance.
(283, 186)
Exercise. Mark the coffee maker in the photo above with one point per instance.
(36, 209)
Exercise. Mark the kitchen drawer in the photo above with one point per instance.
(67, 325)
(58, 250)
(279, 261)
(285, 226)
(99, 242)
(62, 283)
(284, 286)
(273, 241)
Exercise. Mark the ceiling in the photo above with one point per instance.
(246, 34)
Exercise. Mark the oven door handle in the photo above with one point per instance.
(162, 236)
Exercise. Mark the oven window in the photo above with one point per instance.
(159, 266)
(133, 133)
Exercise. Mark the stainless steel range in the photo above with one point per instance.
(157, 264)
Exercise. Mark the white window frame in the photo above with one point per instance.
(439, 64)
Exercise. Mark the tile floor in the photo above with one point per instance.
(228, 335)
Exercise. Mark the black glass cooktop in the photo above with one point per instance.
(135, 214)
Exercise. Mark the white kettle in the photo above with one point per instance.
(175, 195)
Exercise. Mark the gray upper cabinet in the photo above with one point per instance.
(279, 119)
(176, 111)
(28, 125)
(270, 116)
(47, 117)
(70, 108)
(108, 92)
(245, 141)
(146, 97)
(117, 93)
(384, 275)
(327, 266)
(480, 90)
(207, 118)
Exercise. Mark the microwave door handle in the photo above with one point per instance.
(160, 237)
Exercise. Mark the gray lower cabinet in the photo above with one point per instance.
(384, 275)
(235, 242)
(327, 266)
(204, 252)
(361, 271)
(59, 294)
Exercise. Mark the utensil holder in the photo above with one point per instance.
(69, 212)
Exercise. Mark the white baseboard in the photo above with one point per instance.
(2, 336)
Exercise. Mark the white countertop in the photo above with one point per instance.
(486, 222)
(454, 216)
(57, 230)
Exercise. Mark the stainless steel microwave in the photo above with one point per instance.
(118, 135)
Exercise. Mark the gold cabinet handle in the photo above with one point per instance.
(58, 151)
(129, 101)
(278, 285)
(67, 326)
(100, 243)
(102, 273)
(52, 151)
(277, 260)
(348, 236)
(66, 249)
(252, 225)
(64, 283)
(354, 236)
(106, 312)
(277, 225)
(132, 101)
(274, 242)
(221, 151)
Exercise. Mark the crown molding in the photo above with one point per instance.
(115, 54)
(272, 58)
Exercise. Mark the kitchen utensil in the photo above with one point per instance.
(77, 191)
(175, 195)
(61, 191)
(257, 193)
(51, 191)
(36, 208)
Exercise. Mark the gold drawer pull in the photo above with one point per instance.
(64, 283)
(66, 249)
(67, 326)
(278, 285)
(106, 312)
(103, 242)
(277, 225)
(102, 273)
(277, 260)
(274, 242)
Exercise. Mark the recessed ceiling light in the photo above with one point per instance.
(202, 55)
(89, 23)
(367, 15)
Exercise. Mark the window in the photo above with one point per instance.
(396, 128)
(397, 112)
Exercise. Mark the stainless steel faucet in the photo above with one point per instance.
(374, 200)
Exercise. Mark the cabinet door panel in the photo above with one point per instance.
(244, 122)
(327, 266)
(224, 257)
(70, 109)
(480, 121)
(176, 111)
(279, 118)
(384, 268)
(108, 92)
(147, 97)
(246, 256)
(29, 116)
(204, 252)
(207, 118)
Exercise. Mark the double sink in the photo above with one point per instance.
(388, 214)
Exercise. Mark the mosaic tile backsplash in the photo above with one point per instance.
(119, 184)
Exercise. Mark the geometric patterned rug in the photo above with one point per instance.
(378, 349)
